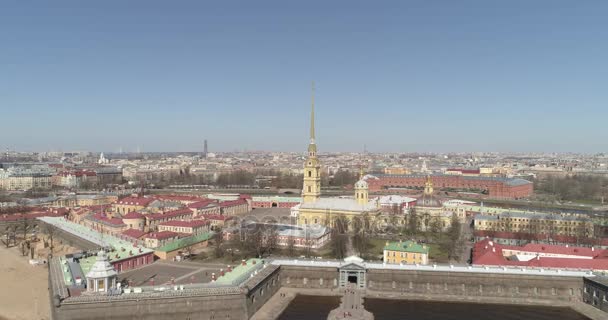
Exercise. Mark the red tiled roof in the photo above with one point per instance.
(135, 201)
(231, 203)
(133, 215)
(100, 217)
(133, 233)
(160, 235)
(467, 171)
(539, 237)
(218, 217)
(202, 204)
(487, 252)
(187, 224)
(169, 214)
(58, 210)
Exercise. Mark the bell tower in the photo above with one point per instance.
(311, 190)
(428, 186)
(361, 190)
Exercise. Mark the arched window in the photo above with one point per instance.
(309, 174)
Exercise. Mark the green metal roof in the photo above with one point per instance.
(239, 271)
(184, 242)
(407, 246)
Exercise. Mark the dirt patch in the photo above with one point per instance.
(24, 287)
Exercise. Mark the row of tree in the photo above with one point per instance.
(572, 188)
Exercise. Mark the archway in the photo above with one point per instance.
(274, 205)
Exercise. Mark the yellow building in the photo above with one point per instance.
(430, 210)
(536, 223)
(324, 211)
(408, 252)
(397, 170)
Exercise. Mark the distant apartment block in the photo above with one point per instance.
(496, 187)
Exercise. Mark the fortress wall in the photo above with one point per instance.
(477, 285)
(309, 277)
(261, 288)
(178, 308)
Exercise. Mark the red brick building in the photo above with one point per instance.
(496, 187)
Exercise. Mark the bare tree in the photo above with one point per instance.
(339, 238)
(291, 247)
(26, 226)
(219, 250)
(50, 230)
(412, 222)
(261, 239)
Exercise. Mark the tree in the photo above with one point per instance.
(338, 244)
(261, 239)
(219, 250)
(436, 228)
(339, 238)
(26, 226)
(50, 231)
(291, 247)
(454, 241)
(412, 222)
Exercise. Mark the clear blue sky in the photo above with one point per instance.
(394, 75)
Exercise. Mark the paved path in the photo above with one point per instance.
(351, 307)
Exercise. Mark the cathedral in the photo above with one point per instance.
(323, 211)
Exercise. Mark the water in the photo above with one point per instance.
(317, 308)
(426, 310)
(309, 308)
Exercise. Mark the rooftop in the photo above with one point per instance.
(239, 271)
(342, 204)
(407, 246)
(184, 242)
(102, 240)
(186, 224)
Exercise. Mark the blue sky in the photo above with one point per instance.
(400, 76)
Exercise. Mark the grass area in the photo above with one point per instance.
(437, 254)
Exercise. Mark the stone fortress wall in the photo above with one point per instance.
(243, 301)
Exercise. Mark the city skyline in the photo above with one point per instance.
(404, 77)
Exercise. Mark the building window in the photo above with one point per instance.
(309, 188)
(309, 174)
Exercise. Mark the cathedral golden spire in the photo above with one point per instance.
(428, 186)
(312, 115)
(312, 147)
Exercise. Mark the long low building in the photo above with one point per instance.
(496, 187)
(489, 253)
(122, 254)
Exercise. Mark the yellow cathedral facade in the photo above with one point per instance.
(323, 211)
